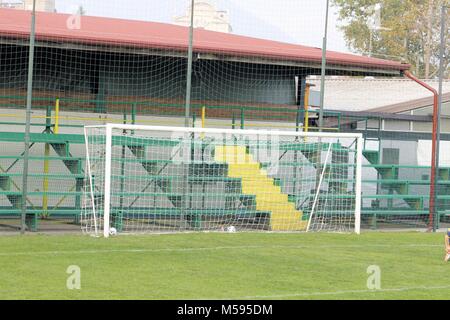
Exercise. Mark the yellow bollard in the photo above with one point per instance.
(203, 117)
(203, 120)
(56, 130)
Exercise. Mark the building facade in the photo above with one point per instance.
(41, 5)
(206, 17)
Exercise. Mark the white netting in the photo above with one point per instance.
(172, 179)
(256, 65)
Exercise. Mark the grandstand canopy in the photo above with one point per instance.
(167, 39)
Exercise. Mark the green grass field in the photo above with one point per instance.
(225, 266)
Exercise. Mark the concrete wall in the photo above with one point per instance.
(445, 120)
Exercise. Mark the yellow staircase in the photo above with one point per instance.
(255, 181)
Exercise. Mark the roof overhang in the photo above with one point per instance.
(411, 105)
(159, 39)
(314, 68)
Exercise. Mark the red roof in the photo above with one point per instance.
(119, 32)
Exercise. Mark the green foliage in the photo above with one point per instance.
(225, 266)
(410, 31)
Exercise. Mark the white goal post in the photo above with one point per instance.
(142, 179)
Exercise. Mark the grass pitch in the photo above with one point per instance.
(225, 266)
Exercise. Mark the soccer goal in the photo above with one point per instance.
(143, 179)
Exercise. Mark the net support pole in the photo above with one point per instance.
(323, 71)
(189, 68)
(433, 147)
(107, 188)
(48, 128)
(28, 120)
(301, 102)
(439, 109)
(358, 184)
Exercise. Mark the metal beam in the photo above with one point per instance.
(96, 48)
(313, 68)
(374, 115)
(397, 135)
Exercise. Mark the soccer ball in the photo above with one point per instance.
(113, 231)
(231, 229)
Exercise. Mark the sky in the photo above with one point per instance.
(294, 21)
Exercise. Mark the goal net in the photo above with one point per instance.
(142, 179)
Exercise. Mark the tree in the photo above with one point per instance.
(410, 31)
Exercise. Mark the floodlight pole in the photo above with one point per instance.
(189, 68)
(438, 131)
(28, 120)
(323, 72)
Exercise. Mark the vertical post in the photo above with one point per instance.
(439, 109)
(91, 180)
(107, 188)
(323, 71)
(45, 182)
(48, 119)
(48, 124)
(79, 184)
(189, 68)
(118, 223)
(433, 146)
(242, 118)
(301, 101)
(203, 117)
(339, 121)
(56, 130)
(203, 120)
(306, 128)
(28, 120)
(358, 184)
(133, 113)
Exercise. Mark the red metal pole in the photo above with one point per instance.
(434, 145)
